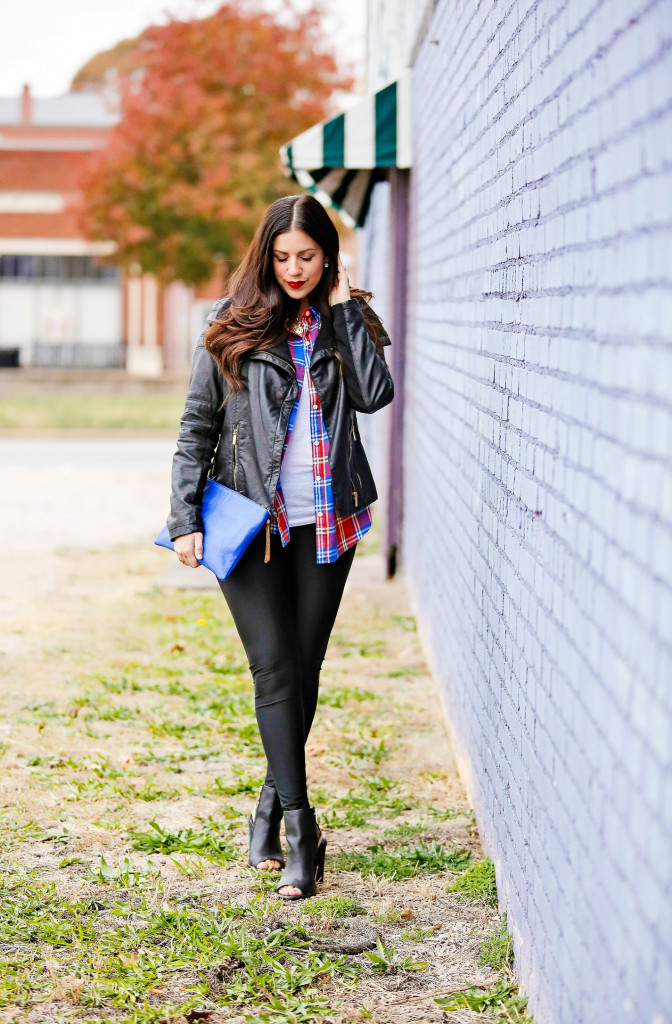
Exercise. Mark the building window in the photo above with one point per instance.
(55, 268)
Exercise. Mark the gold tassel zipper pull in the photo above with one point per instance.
(267, 556)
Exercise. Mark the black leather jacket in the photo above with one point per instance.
(240, 445)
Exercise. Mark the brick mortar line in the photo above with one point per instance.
(533, 112)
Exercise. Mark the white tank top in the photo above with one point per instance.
(296, 473)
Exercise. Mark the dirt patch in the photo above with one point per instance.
(131, 760)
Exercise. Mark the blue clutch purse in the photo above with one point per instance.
(230, 523)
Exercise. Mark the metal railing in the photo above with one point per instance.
(77, 354)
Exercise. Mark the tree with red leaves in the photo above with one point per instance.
(194, 159)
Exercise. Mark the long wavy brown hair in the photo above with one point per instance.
(260, 311)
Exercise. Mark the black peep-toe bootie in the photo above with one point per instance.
(264, 826)
(307, 846)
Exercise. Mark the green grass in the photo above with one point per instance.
(378, 796)
(415, 934)
(502, 1001)
(389, 915)
(332, 907)
(449, 813)
(384, 958)
(95, 412)
(126, 876)
(354, 751)
(477, 883)
(136, 937)
(404, 861)
(337, 696)
(205, 842)
(122, 952)
(497, 949)
(407, 830)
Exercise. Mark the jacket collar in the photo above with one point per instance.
(324, 340)
(322, 345)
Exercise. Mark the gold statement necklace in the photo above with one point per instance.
(299, 327)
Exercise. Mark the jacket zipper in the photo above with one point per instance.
(355, 494)
(272, 514)
(235, 456)
(273, 474)
(352, 436)
(267, 552)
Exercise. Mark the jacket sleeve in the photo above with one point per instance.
(367, 378)
(200, 429)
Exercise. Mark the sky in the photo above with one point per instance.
(44, 42)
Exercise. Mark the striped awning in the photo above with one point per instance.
(340, 160)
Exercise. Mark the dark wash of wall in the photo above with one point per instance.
(374, 269)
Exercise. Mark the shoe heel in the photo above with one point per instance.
(319, 860)
(264, 829)
(250, 832)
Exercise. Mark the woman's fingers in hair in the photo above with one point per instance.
(341, 290)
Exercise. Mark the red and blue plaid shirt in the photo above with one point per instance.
(334, 534)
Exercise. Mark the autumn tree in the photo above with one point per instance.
(205, 104)
(105, 66)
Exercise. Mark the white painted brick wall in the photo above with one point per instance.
(538, 462)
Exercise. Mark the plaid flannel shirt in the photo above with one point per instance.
(334, 534)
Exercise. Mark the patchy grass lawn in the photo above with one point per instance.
(130, 761)
(91, 413)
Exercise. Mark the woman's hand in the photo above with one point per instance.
(189, 549)
(341, 290)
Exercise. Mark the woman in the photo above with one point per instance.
(278, 377)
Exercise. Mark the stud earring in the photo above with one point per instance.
(326, 263)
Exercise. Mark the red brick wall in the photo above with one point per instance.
(38, 133)
(39, 225)
(23, 169)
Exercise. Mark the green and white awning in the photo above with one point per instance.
(340, 160)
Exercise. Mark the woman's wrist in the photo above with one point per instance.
(341, 290)
(335, 297)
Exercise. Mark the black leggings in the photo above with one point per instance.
(284, 611)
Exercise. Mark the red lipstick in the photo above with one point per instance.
(296, 284)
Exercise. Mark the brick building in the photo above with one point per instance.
(59, 305)
(533, 337)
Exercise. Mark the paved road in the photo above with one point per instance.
(60, 495)
(81, 493)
